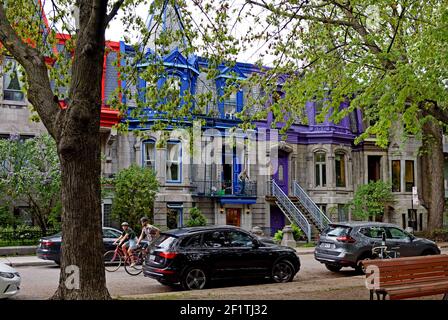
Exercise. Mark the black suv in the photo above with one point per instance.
(195, 256)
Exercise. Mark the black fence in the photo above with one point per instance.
(22, 236)
(226, 188)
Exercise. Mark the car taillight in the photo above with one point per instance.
(346, 239)
(168, 255)
(47, 243)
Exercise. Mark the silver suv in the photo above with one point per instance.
(345, 244)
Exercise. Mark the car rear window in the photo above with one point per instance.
(164, 241)
(337, 231)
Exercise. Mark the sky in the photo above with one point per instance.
(116, 31)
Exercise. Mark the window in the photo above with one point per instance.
(340, 169)
(192, 242)
(397, 234)
(173, 162)
(239, 239)
(280, 172)
(320, 169)
(107, 215)
(12, 86)
(109, 233)
(215, 239)
(149, 154)
(342, 212)
(230, 105)
(173, 88)
(409, 175)
(396, 176)
(318, 107)
(372, 232)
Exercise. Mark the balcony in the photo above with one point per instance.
(223, 189)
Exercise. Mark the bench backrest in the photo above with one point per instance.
(409, 270)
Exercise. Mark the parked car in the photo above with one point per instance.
(50, 247)
(195, 256)
(345, 244)
(9, 281)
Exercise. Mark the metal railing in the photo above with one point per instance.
(292, 212)
(316, 214)
(217, 188)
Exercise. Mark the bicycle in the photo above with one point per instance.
(134, 266)
(113, 259)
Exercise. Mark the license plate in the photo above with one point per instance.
(152, 257)
(326, 245)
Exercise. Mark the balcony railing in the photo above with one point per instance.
(212, 188)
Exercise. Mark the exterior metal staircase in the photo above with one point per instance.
(291, 211)
(307, 206)
(301, 210)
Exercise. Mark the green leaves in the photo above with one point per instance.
(134, 189)
(30, 173)
(371, 199)
(196, 219)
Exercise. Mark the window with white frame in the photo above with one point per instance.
(173, 161)
(149, 154)
(320, 168)
(12, 86)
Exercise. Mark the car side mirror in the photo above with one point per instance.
(255, 244)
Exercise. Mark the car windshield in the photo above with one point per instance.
(337, 231)
(164, 241)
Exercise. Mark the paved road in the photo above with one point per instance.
(40, 282)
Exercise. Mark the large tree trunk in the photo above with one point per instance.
(433, 191)
(81, 223)
(79, 150)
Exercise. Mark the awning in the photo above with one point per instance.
(238, 201)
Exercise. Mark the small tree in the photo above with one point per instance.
(371, 199)
(135, 189)
(197, 219)
(30, 174)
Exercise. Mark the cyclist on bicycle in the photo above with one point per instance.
(127, 241)
(149, 231)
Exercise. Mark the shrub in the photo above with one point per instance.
(297, 233)
(197, 219)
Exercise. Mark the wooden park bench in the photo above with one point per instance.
(410, 277)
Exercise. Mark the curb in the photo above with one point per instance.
(32, 264)
(18, 250)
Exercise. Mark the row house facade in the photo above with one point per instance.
(317, 166)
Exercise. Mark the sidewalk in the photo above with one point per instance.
(26, 261)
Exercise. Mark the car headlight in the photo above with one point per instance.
(7, 275)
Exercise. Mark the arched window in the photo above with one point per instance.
(320, 169)
(339, 161)
(12, 85)
(149, 154)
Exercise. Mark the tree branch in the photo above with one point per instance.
(113, 12)
(34, 64)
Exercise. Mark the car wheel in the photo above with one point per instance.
(282, 271)
(57, 262)
(359, 267)
(194, 279)
(333, 268)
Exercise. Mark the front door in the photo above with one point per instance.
(277, 219)
(281, 175)
(233, 217)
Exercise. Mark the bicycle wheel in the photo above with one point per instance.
(112, 261)
(137, 268)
